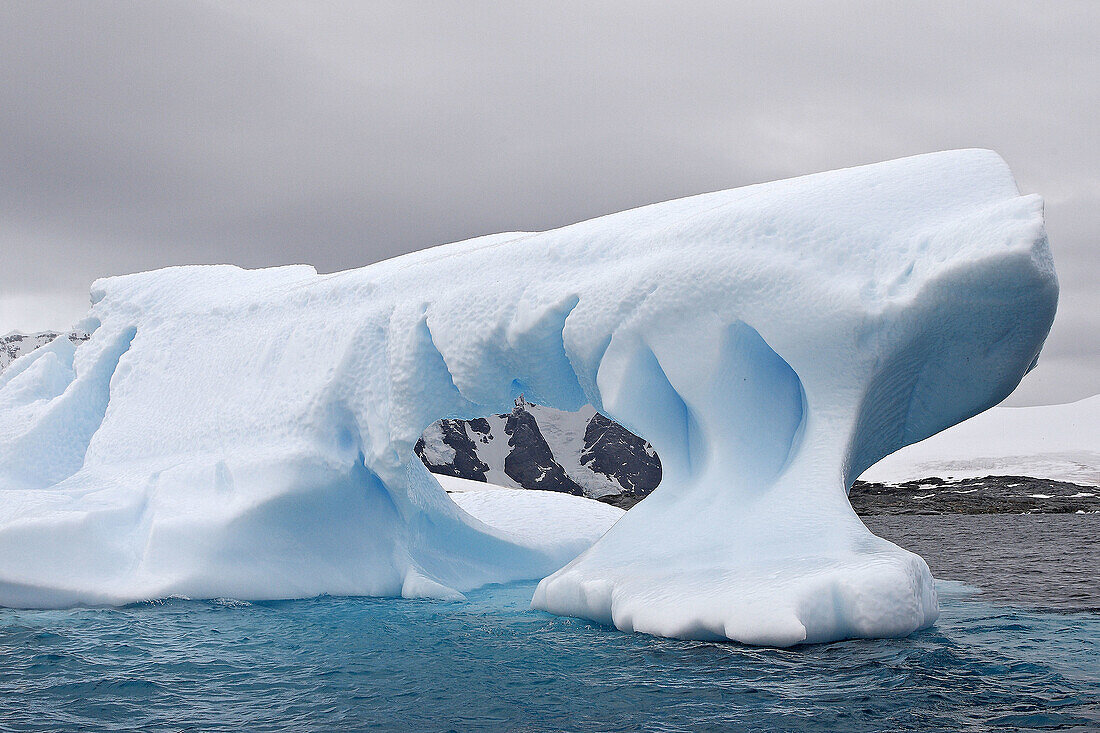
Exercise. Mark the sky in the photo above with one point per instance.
(140, 135)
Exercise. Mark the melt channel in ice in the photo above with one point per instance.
(228, 432)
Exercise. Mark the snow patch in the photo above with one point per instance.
(436, 451)
(546, 518)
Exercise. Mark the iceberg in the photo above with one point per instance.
(250, 433)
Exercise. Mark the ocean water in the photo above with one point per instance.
(992, 662)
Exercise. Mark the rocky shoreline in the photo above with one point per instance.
(985, 495)
(933, 495)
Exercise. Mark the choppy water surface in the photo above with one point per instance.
(1040, 561)
(347, 664)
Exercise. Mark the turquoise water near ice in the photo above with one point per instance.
(491, 664)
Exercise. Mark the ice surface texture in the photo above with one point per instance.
(250, 433)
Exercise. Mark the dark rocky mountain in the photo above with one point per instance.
(530, 462)
(582, 453)
(611, 449)
(454, 435)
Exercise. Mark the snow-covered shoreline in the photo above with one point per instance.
(1055, 442)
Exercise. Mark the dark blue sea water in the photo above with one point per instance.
(490, 664)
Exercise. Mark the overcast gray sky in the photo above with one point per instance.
(138, 135)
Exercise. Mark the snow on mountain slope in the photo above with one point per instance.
(1059, 442)
(251, 434)
(16, 344)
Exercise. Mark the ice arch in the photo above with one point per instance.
(771, 341)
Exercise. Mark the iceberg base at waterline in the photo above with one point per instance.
(250, 434)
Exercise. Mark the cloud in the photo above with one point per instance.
(141, 135)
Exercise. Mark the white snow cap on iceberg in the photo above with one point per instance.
(250, 434)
